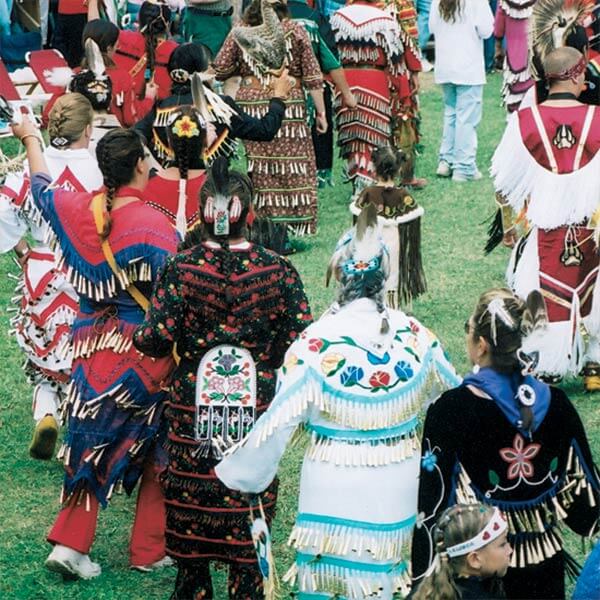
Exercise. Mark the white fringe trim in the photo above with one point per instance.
(554, 199)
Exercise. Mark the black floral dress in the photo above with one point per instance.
(248, 297)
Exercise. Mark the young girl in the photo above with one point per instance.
(460, 28)
(400, 217)
(472, 555)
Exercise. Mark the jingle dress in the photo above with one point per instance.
(261, 307)
(358, 393)
(283, 171)
(46, 302)
(547, 167)
(472, 452)
(371, 51)
(116, 396)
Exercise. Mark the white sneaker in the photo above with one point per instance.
(426, 66)
(66, 561)
(166, 561)
(462, 178)
(444, 169)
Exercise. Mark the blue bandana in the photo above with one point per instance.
(508, 393)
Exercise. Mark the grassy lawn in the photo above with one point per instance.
(457, 272)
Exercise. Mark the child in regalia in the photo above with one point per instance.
(472, 554)
(400, 218)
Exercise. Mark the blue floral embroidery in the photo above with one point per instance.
(429, 461)
(376, 360)
(351, 376)
(403, 370)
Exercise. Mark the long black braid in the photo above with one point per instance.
(154, 20)
(118, 153)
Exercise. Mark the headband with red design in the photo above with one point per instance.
(496, 526)
(571, 73)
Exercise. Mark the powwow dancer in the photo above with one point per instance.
(356, 380)
(232, 308)
(283, 171)
(112, 246)
(405, 109)
(47, 303)
(546, 152)
(225, 116)
(512, 27)
(507, 440)
(472, 554)
(174, 191)
(399, 216)
(371, 51)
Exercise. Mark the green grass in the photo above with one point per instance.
(457, 272)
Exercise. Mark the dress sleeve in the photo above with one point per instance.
(485, 20)
(163, 323)
(246, 127)
(228, 60)
(584, 511)
(438, 462)
(296, 316)
(312, 77)
(253, 466)
(499, 22)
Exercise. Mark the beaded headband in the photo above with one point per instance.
(496, 526)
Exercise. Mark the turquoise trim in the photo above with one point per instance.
(388, 568)
(371, 434)
(383, 527)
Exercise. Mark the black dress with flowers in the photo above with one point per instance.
(472, 453)
(247, 297)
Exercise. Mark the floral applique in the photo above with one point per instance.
(519, 458)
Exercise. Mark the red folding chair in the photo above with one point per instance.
(42, 62)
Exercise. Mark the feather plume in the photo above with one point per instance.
(535, 315)
(199, 97)
(59, 76)
(94, 58)
(552, 21)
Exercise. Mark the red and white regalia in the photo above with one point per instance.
(548, 164)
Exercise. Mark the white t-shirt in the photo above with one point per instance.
(459, 44)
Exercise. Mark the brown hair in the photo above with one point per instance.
(253, 14)
(118, 153)
(69, 117)
(456, 525)
(450, 10)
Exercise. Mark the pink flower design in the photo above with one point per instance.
(236, 384)
(216, 383)
(519, 458)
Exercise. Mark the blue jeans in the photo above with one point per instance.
(462, 114)
(489, 45)
(423, 8)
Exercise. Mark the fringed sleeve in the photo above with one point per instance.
(252, 467)
(582, 478)
(438, 464)
(162, 325)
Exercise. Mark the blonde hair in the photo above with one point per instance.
(456, 525)
(69, 117)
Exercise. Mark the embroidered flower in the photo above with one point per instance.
(376, 360)
(429, 461)
(379, 379)
(185, 127)
(331, 363)
(519, 458)
(315, 345)
(216, 383)
(227, 361)
(414, 327)
(351, 376)
(403, 370)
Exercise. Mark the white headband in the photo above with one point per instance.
(496, 526)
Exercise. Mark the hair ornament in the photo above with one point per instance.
(235, 210)
(526, 395)
(495, 527)
(184, 127)
(59, 142)
(179, 75)
(497, 310)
